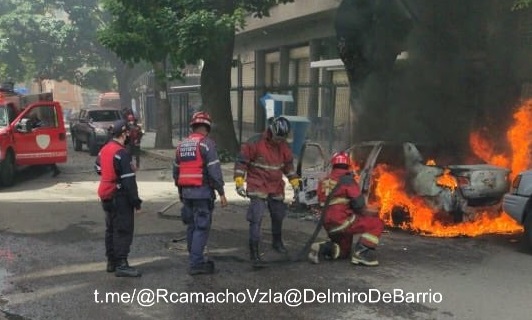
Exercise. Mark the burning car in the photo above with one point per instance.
(517, 203)
(398, 179)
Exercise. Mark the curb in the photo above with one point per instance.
(164, 156)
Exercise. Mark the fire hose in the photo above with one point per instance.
(304, 251)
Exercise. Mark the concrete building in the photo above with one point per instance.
(274, 55)
(68, 94)
(294, 52)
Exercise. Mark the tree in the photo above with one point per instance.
(186, 31)
(370, 34)
(35, 43)
(57, 40)
(103, 70)
(143, 32)
(521, 4)
(207, 32)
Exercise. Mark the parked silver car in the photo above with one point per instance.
(518, 205)
(477, 185)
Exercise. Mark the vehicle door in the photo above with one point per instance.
(40, 135)
(365, 156)
(311, 167)
(81, 126)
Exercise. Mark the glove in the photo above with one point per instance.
(239, 183)
(241, 192)
(295, 183)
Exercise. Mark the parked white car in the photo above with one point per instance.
(517, 202)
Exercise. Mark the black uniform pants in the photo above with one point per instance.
(134, 151)
(119, 225)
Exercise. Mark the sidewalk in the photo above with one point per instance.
(147, 145)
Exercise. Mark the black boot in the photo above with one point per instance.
(277, 244)
(254, 253)
(364, 255)
(326, 250)
(206, 267)
(124, 270)
(111, 264)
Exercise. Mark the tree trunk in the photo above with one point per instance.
(163, 135)
(123, 74)
(215, 95)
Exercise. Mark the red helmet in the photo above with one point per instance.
(341, 158)
(201, 117)
(130, 117)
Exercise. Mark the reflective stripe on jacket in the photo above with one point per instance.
(338, 214)
(262, 162)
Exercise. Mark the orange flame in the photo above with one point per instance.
(447, 180)
(519, 138)
(390, 195)
(417, 214)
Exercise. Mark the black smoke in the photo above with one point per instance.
(459, 75)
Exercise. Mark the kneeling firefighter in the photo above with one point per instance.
(345, 217)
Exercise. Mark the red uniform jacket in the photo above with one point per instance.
(339, 210)
(262, 162)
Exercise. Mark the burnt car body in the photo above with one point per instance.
(90, 126)
(478, 186)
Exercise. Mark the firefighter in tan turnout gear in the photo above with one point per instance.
(262, 162)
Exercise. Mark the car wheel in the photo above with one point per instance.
(7, 171)
(528, 229)
(93, 147)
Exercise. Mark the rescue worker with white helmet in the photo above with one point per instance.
(261, 164)
(346, 215)
(198, 174)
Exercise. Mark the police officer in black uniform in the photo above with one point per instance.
(119, 195)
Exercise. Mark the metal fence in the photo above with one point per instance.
(331, 113)
(327, 127)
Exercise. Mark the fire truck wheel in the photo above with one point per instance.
(7, 171)
(93, 147)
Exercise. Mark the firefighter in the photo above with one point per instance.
(119, 196)
(135, 136)
(346, 215)
(262, 161)
(198, 174)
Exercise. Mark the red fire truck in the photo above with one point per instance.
(32, 132)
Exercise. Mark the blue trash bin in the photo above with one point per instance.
(281, 103)
(299, 126)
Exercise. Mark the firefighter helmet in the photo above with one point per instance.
(341, 158)
(280, 127)
(201, 117)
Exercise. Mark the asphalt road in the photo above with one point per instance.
(52, 263)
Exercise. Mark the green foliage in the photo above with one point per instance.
(521, 4)
(56, 40)
(184, 30)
